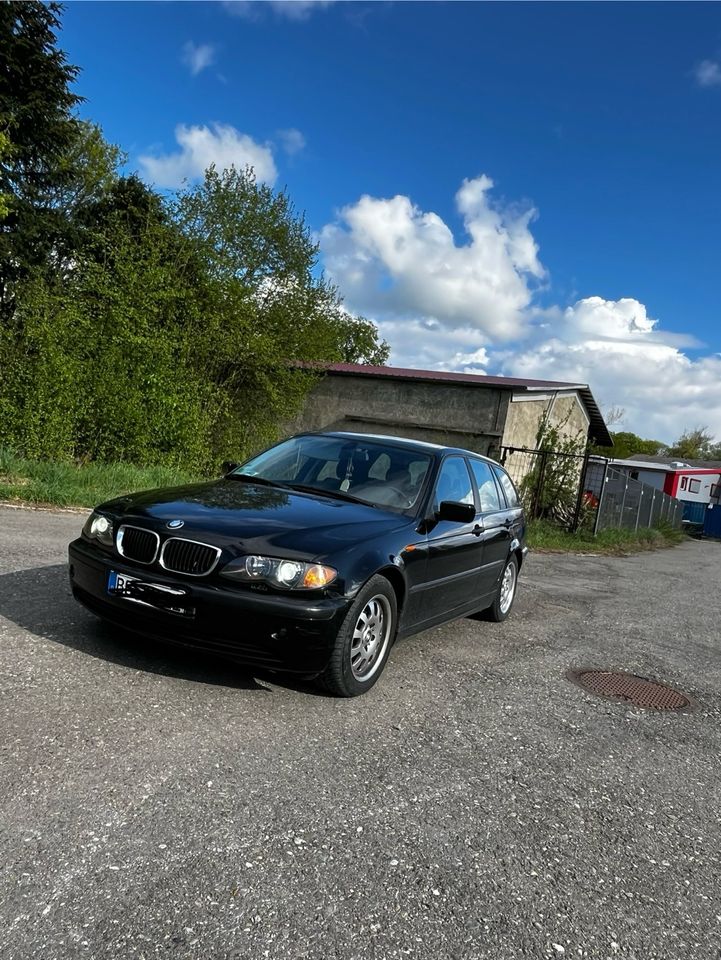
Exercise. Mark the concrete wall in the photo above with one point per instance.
(452, 414)
(568, 415)
(525, 414)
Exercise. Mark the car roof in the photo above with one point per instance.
(422, 446)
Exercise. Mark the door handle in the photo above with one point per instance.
(478, 530)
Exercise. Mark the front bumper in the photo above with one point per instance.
(291, 634)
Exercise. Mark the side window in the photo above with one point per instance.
(694, 486)
(684, 482)
(486, 485)
(453, 482)
(507, 487)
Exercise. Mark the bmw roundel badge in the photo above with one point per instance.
(175, 524)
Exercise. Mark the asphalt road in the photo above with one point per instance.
(474, 805)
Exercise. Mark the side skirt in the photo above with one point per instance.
(475, 607)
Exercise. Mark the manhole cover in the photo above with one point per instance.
(615, 685)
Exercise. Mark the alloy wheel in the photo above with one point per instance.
(508, 588)
(371, 635)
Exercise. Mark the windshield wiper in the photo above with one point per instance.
(335, 494)
(262, 481)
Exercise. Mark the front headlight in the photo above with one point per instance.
(100, 528)
(286, 574)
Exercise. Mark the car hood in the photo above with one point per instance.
(249, 518)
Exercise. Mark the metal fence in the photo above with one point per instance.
(549, 483)
(624, 503)
(574, 490)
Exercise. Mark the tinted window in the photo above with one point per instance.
(508, 488)
(453, 482)
(486, 485)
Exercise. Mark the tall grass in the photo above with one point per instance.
(542, 535)
(78, 485)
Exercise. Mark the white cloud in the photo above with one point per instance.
(618, 349)
(292, 141)
(470, 306)
(200, 146)
(197, 57)
(394, 260)
(708, 74)
(289, 9)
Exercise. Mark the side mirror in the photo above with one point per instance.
(456, 512)
(227, 466)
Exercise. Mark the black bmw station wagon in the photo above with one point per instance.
(310, 558)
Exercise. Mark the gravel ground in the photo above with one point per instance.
(474, 805)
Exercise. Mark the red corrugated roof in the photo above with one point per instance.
(452, 376)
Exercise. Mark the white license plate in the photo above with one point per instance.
(178, 604)
(119, 581)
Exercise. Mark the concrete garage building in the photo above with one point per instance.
(467, 410)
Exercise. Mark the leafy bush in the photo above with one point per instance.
(140, 327)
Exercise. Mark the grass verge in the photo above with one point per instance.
(74, 485)
(542, 535)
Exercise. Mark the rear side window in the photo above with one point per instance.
(507, 487)
(486, 486)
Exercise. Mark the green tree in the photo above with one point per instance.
(268, 306)
(626, 444)
(5, 147)
(106, 362)
(696, 444)
(36, 105)
(136, 326)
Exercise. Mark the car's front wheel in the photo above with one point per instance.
(506, 592)
(364, 640)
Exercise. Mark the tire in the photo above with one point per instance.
(363, 642)
(502, 605)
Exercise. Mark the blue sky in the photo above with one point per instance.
(585, 243)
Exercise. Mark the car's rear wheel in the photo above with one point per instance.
(506, 592)
(364, 640)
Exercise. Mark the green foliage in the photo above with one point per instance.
(550, 489)
(266, 308)
(101, 363)
(150, 348)
(5, 148)
(626, 444)
(696, 444)
(36, 106)
(75, 485)
(135, 326)
(547, 536)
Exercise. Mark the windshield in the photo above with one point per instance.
(376, 473)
